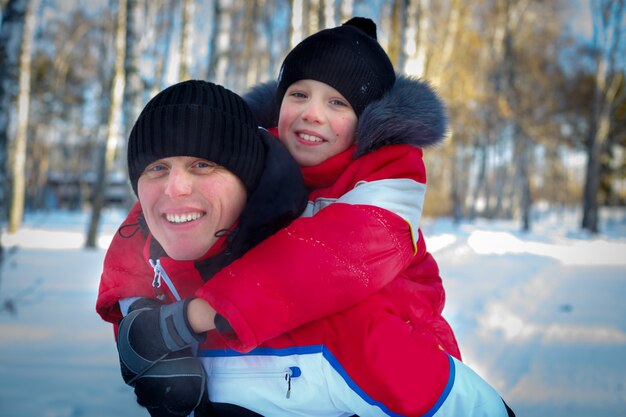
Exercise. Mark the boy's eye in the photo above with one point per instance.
(297, 94)
(337, 102)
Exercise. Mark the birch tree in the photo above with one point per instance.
(16, 212)
(249, 52)
(15, 43)
(297, 23)
(186, 27)
(513, 15)
(221, 41)
(133, 87)
(106, 157)
(398, 31)
(608, 17)
(11, 34)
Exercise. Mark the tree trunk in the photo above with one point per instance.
(11, 33)
(397, 35)
(16, 212)
(521, 145)
(222, 39)
(133, 87)
(297, 23)
(607, 16)
(106, 157)
(347, 9)
(185, 39)
(250, 54)
(451, 30)
(414, 61)
(480, 150)
(456, 189)
(523, 163)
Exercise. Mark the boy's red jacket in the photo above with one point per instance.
(326, 263)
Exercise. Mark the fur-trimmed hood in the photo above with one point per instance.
(410, 113)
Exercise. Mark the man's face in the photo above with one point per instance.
(186, 200)
(315, 122)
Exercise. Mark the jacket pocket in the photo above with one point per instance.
(286, 374)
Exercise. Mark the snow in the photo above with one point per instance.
(540, 315)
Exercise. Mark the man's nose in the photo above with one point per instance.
(179, 183)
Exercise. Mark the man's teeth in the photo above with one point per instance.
(310, 138)
(182, 218)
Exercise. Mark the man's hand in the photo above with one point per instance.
(154, 342)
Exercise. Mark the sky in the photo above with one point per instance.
(539, 315)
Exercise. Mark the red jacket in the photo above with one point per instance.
(352, 251)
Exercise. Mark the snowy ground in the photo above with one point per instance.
(539, 315)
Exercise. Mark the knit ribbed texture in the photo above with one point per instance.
(348, 58)
(199, 119)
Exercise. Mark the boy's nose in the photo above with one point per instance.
(179, 183)
(313, 112)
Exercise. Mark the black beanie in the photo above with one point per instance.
(348, 58)
(199, 119)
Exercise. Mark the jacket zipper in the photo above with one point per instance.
(160, 277)
(287, 374)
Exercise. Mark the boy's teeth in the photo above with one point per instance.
(310, 138)
(182, 218)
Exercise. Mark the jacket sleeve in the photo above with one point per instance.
(322, 264)
(125, 273)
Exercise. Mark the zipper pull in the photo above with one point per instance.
(288, 379)
(292, 372)
(156, 280)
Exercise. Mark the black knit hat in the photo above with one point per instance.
(200, 119)
(347, 57)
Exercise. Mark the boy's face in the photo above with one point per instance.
(186, 200)
(315, 122)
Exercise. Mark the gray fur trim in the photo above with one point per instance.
(262, 101)
(410, 113)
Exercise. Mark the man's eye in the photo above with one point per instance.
(337, 102)
(155, 168)
(204, 165)
(298, 94)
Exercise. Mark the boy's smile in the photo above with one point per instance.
(306, 138)
(316, 122)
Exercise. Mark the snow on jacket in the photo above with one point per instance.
(355, 326)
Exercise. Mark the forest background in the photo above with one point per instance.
(536, 99)
(535, 92)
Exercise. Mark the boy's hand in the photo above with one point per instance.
(155, 357)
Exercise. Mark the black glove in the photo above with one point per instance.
(155, 357)
(175, 386)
